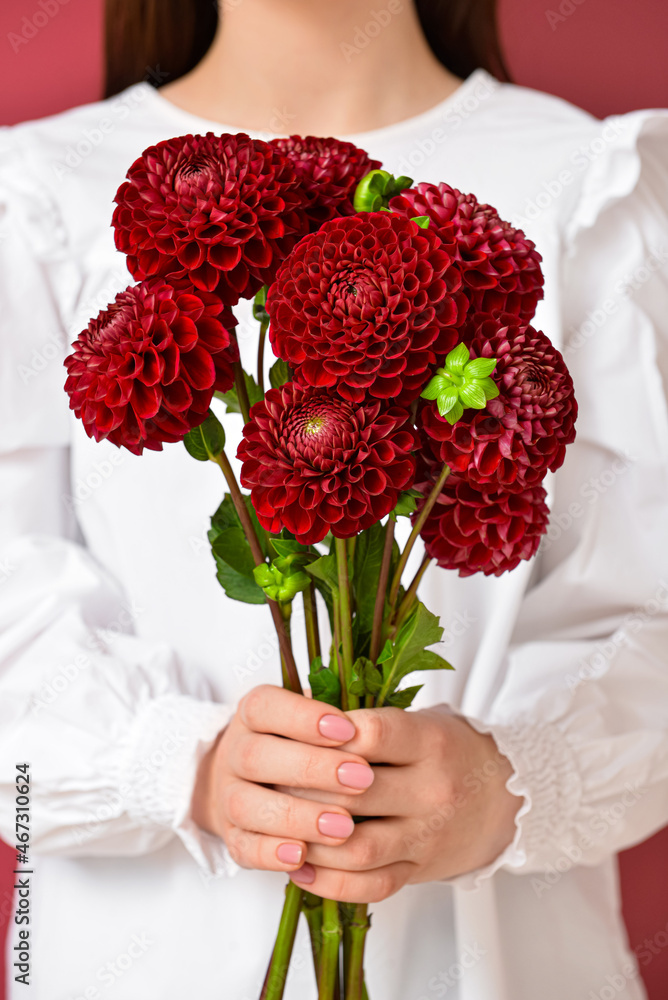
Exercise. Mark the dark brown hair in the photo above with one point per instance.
(160, 40)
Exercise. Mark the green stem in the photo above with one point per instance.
(242, 394)
(348, 655)
(417, 528)
(355, 976)
(258, 556)
(381, 593)
(311, 623)
(312, 909)
(335, 665)
(410, 596)
(277, 973)
(260, 356)
(329, 951)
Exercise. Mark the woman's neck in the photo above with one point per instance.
(314, 67)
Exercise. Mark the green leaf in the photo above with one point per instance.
(366, 572)
(324, 570)
(325, 685)
(288, 546)
(408, 652)
(236, 585)
(259, 303)
(402, 182)
(447, 399)
(407, 503)
(402, 699)
(232, 547)
(480, 367)
(207, 440)
(371, 676)
(489, 387)
(429, 660)
(421, 220)
(473, 395)
(437, 385)
(385, 653)
(231, 400)
(455, 414)
(227, 516)
(457, 358)
(279, 374)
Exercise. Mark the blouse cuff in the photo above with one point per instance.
(167, 741)
(545, 775)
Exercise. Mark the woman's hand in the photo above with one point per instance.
(441, 808)
(234, 797)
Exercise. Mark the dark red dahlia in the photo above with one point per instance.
(328, 172)
(501, 267)
(224, 209)
(315, 462)
(145, 370)
(480, 530)
(524, 431)
(366, 305)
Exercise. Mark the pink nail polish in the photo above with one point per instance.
(335, 825)
(289, 854)
(305, 874)
(335, 727)
(355, 775)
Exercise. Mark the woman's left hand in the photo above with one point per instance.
(440, 807)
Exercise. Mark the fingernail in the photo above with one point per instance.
(305, 874)
(335, 825)
(335, 727)
(355, 775)
(289, 854)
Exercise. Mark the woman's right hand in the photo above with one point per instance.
(277, 737)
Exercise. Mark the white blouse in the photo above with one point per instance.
(121, 658)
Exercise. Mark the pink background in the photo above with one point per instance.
(605, 55)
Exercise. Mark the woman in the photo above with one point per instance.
(164, 801)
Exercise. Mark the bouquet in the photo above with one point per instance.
(407, 382)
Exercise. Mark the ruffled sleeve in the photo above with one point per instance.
(113, 726)
(582, 711)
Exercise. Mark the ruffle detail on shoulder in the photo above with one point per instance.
(23, 195)
(40, 282)
(633, 144)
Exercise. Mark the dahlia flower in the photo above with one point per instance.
(500, 266)
(365, 306)
(225, 209)
(523, 432)
(328, 172)
(145, 370)
(315, 462)
(483, 530)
